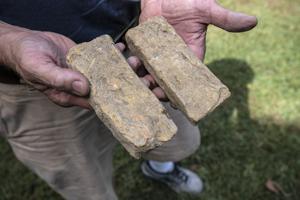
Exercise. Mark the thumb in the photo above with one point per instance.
(63, 79)
(231, 21)
(198, 47)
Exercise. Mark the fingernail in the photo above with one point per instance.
(77, 87)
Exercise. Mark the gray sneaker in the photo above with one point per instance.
(180, 179)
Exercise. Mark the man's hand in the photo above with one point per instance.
(39, 58)
(190, 19)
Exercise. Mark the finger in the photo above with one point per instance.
(146, 82)
(197, 45)
(198, 49)
(231, 21)
(159, 93)
(137, 66)
(62, 79)
(151, 80)
(134, 63)
(120, 46)
(64, 99)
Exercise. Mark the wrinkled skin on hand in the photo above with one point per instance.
(40, 59)
(190, 19)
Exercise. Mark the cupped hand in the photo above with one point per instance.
(39, 58)
(190, 19)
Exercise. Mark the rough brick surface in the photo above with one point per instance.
(127, 107)
(188, 83)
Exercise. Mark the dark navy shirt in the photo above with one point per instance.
(81, 20)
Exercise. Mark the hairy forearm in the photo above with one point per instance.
(9, 34)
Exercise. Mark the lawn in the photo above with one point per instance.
(252, 138)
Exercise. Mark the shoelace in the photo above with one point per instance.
(178, 176)
(175, 177)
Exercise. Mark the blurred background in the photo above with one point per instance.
(250, 145)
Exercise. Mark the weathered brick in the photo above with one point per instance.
(188, 83)
(127, 107)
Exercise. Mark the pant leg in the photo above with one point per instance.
(67, 147)
(183, 144)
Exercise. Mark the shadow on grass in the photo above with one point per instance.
(238, 153)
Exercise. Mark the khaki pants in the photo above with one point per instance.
(69, 147)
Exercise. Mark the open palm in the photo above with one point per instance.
(190, 19)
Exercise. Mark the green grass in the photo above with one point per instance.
(253, 137)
